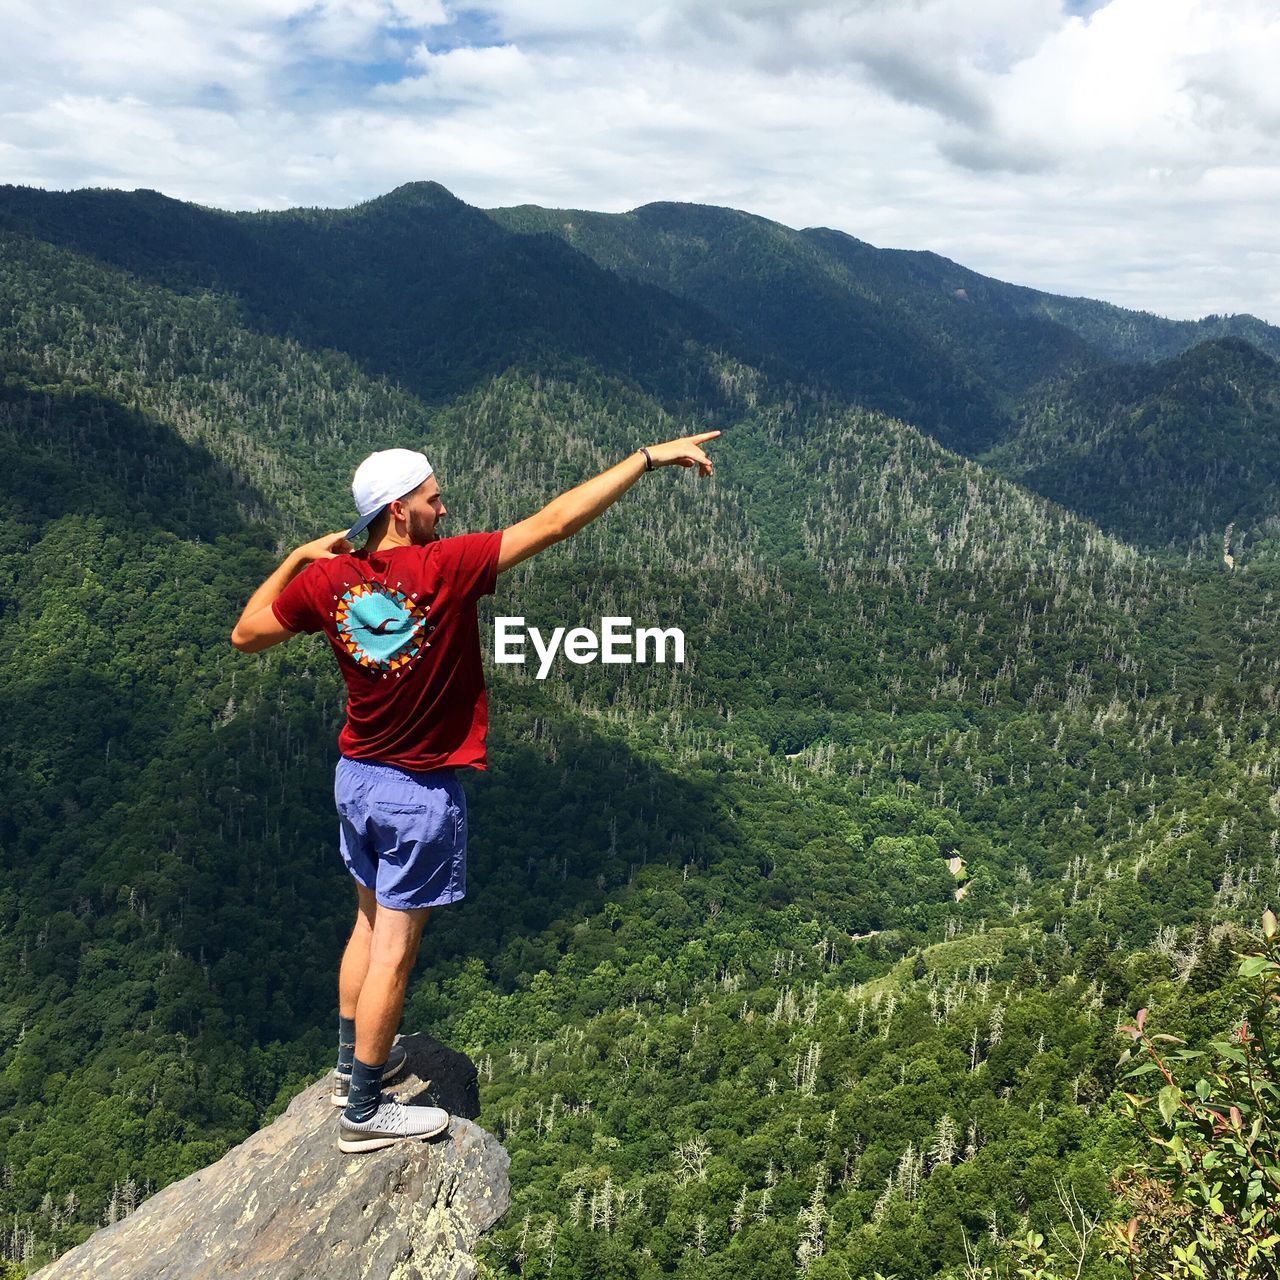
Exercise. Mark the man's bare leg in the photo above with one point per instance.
(371, 1119)
(392, 950)
(355, 959)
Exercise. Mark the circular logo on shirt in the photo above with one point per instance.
(380, 627)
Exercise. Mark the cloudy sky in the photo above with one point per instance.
(1123, 149)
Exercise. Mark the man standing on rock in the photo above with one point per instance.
(400, 616)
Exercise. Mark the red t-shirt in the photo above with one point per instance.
(402, 622)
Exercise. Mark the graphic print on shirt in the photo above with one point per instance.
(381, 627)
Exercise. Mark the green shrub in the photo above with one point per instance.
(1205, 1200)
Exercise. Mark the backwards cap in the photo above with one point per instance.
(382, 478)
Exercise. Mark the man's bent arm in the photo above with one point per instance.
(258, 627)
(573, 510)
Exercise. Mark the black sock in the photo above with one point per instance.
(346, 1042)
(366, 1087)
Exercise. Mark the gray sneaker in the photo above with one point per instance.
(342, 1079)
(392, 1122)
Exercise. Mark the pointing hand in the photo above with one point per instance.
(684, 452)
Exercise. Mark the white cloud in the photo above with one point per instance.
(464, 73)
(1130, 153)
(351, 28)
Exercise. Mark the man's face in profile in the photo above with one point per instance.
(425, 511)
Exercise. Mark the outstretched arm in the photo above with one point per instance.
(564, 516)
(258, 627)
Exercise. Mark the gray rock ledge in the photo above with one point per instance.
(286, 1203)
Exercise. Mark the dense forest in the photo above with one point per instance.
(811, 956)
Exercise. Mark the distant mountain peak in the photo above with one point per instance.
(1213, 349)
(424, 194)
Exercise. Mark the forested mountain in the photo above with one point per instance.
(910, 333)
(1175, 452)
(416, 285)
(807, 956)
(906, 351)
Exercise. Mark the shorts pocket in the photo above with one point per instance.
(425, 821)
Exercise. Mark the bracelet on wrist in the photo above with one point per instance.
(648, 458)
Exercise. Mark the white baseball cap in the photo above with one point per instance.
(382, 478)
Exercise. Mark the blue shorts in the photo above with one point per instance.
(402, 834)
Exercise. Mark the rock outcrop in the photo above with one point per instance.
(286, 1203)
